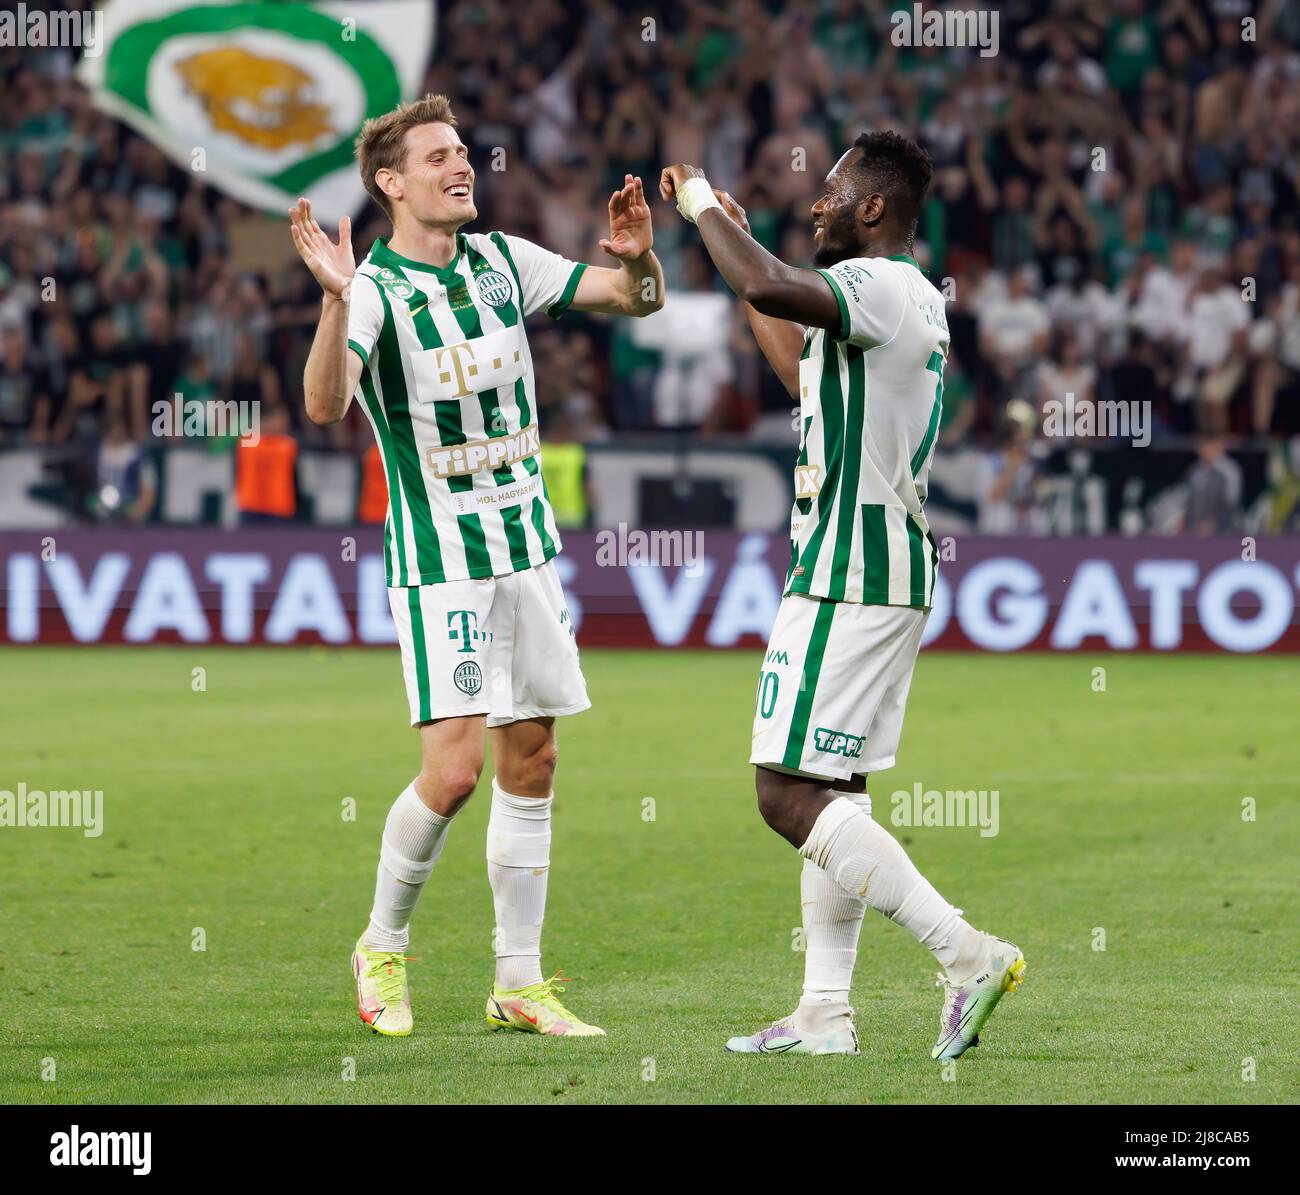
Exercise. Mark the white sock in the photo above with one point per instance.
(412, 842)
(832, 922)
(862, 856)
(519, 860)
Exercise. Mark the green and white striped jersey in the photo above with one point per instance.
(448, 388)
(870, 400)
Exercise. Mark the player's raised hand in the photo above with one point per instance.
(732, 208)
(630, 233)
(671, 179)
(332, 265)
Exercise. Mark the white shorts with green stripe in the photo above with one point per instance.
(834, 686)
(500, 646)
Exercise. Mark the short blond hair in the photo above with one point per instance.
(381, 144)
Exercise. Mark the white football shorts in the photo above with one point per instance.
(833, 687)
(500, 646)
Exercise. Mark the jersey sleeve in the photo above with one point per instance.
(365, 316)
(871, 302)
(547, 280)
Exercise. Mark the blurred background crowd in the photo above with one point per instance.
(1113, 217)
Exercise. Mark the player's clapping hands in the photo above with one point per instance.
(630, 233)
(333, 265)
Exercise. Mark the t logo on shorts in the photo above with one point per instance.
(468, 634)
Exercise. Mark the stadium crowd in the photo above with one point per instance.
(1114, 216)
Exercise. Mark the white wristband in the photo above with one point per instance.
(695, 196)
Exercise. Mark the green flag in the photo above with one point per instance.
(262, 99)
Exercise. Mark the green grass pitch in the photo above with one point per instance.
(1120, 811)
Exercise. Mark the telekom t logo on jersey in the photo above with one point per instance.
(463, 372)
(449, 363)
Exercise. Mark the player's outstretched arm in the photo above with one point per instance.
(780, 340)
(331, 375)
(763, 281)
(637, 286)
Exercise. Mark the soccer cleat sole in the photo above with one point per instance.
(498, 1026)
(728, 1048)
(385, 1032)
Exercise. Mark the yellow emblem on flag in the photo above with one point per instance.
(263, 101)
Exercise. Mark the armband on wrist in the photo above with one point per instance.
(695, 196)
